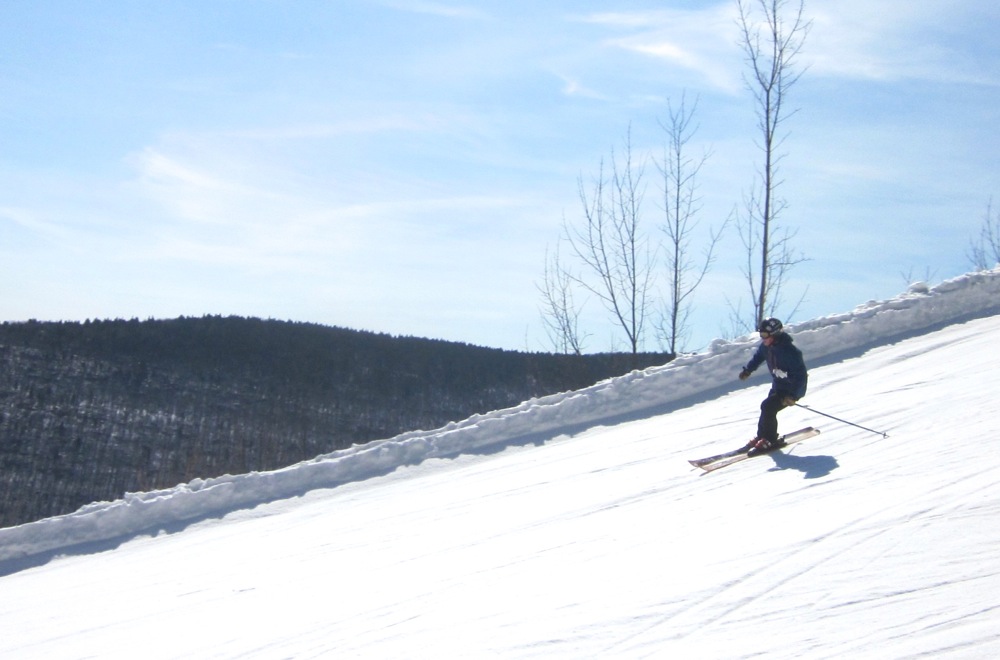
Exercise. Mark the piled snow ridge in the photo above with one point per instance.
(918, 309)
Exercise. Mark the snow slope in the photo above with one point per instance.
(572, 525)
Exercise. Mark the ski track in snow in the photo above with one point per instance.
(572, 525)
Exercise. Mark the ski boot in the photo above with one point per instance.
(763, 446)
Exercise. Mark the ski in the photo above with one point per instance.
(701, 462)
(711, 463)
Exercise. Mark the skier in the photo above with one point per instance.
(789, 379)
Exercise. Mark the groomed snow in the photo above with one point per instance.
(572, 525)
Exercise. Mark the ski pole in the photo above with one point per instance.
(881, 433)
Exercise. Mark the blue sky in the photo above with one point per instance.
(402, 166)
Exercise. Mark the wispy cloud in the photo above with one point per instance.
(245, 196)
(702, 41)
(30, 222)
(889, 40)
(192, 190)
(897, 40)
(573, 87)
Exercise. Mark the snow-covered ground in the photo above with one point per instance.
(573, 526)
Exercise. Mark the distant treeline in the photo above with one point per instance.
(90, 411)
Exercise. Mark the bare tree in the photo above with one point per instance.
(560, 315)
(612, 246)
(681, 204)
(984, 252)
(771, 45)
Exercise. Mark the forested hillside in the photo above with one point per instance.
(90, 411)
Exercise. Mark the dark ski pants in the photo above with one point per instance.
(767, 425)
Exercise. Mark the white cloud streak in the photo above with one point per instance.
(702, 41)
(854, 39)
(896, 40)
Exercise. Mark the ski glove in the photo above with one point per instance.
(788, 401)
(745, 374)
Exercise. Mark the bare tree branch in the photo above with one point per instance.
(612, 246)
(560, 315)
(771, 46)
(681, 204)
(984, 252)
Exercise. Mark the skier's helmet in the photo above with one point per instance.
(770, 326)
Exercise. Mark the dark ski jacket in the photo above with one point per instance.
(784, 361)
